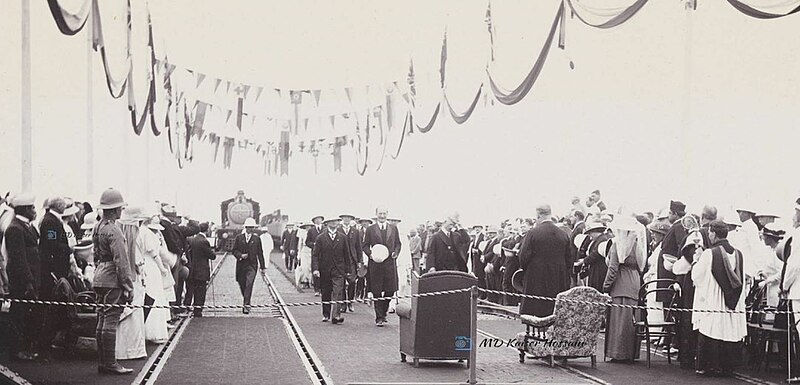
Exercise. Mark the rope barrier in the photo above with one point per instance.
(396, 297)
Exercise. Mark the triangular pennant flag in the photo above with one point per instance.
(246, 90)
(317, 95)
(216, 84)
(170, 68)
(259, 90)
(228, 118)
(349, 92)
(227, 86)
(200, 78)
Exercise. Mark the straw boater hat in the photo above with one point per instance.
(70, 210)
(379, 253)
(518, 280)
(21, 200)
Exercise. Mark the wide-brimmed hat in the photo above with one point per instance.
(84, 245)
(329, 220)
(111, 199)
(250, 222)
(70, 210)
(784, 249)
(317, 216)
(351, 216)
(89, 220)
(305, 226)
(154, 223)
(367, 220)
(132, 215)
(22, 199)
(770, 230)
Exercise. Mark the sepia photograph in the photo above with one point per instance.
(399, 192)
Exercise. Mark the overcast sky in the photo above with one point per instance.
(698, 106)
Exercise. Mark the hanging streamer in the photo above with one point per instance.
(70, 23)
(514, 96)
(115, 87)
(759, 14)
(406, 124)
(461, 118)
(614, 21)
(428, 126)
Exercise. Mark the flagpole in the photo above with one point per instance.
(26, 142)
(89, 110)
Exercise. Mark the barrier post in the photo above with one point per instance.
(473, 329)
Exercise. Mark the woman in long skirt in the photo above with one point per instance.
(149, 244)
(130, 333)
(627, 257)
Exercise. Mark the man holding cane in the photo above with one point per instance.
(113, 280)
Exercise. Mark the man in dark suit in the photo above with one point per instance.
(249, 256)
(331, 263)
(474, 255)
(382, 275)
(543, 256)
(353, 238)
(311, 237)
(444, 252)
(175, 239)
(198, 254)
(578, 228)
(24, 276)
(54, 248)
(494, 276)
(289, 245)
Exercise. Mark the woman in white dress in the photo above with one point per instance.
(131, 333)
(303, 271)
(149, 245)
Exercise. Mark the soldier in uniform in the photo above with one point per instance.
(249, 256)
(113, 280)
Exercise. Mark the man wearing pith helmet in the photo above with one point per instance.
(113, 280)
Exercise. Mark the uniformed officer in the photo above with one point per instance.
(113, 280)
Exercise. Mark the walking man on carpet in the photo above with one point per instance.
(249, 256)
(332, 264)
(382, 246)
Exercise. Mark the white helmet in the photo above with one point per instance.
(250, 222)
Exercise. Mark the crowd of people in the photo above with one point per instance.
(120, 254)
(132, 254)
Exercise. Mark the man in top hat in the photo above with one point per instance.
(113, 280)
(289, 245)
(444, 253)
(199, 254)
(353, 239)
(543, 257)
(382, 275)
(331, 262)
(249, 257)
(311, 237)
(24, 276)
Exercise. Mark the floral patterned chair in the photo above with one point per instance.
(570, 332)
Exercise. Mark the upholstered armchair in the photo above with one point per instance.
(570, 332)
(436, 327)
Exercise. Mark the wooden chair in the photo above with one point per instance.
(669, 326)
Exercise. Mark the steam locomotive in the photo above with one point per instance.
(234, 211)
